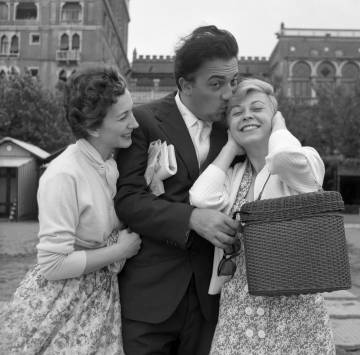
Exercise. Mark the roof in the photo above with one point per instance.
(13, 162)
(33, 149)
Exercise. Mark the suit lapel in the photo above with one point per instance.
(217, 140)
(173, 126)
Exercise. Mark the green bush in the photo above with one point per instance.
(32, 114)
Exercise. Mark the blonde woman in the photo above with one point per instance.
(277, 165)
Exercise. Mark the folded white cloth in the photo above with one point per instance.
(160, 166)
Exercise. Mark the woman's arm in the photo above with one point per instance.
(301, 168)
(58, 219)
(57, 266)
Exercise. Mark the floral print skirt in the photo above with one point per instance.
(258, 325)
(73, 316)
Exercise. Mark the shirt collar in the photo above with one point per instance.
(189, 118)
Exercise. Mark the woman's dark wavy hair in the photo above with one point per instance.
(203, 44)
(88, 95)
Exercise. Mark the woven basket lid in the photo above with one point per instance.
(290, 207)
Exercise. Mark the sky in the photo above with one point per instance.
(157, 25)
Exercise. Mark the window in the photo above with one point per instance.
(14, 47)
(75, 43)
(4, 45)
(350, 71)
(34, 38)
(71, 12)
(301, 85)
(4, 11)
(64, 42)
(26, 11)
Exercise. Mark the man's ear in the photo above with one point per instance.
(186, 86)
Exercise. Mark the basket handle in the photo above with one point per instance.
(262, 190)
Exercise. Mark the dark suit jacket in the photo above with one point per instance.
(153, 282)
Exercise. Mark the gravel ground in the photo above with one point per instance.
(18, 255)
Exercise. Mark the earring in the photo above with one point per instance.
(94, 134)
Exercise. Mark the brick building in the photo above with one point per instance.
(302, 61)
(50, 38)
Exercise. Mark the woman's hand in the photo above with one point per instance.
(227, 154)
(128, 243)
(233, 146)
(278, 122)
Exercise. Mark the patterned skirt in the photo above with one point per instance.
(257, 325)
(73, 316)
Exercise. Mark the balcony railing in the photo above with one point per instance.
(68, 55)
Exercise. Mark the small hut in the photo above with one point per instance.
(19, 176)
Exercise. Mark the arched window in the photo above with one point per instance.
(350, 71)
(4, 45)
(64, 42)
(71, 12)
(301, 85)
(75, 43)
(4, 11)
(350, 74)
(14, 47)
(326, 76)
(26, 11)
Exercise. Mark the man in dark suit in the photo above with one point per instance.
(166, 308)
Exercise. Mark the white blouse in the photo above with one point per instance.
(293, 169)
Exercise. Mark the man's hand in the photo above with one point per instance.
(218, 228)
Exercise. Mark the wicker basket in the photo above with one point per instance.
(295, 244)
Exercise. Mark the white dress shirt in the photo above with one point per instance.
(199, 130)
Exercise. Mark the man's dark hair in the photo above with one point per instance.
(203, 44)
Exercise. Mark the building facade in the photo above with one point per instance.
(306, 60)
(50, 38)
(302, 62)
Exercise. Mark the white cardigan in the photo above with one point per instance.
(294, 169)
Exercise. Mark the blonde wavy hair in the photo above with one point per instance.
(249, 85)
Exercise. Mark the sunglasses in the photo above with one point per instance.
(227, 266)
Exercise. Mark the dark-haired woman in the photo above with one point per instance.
(69, 303)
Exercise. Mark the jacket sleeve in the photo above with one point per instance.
(150, 216)
(301, 168)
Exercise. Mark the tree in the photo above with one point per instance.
(30, 113)
(331, 125)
